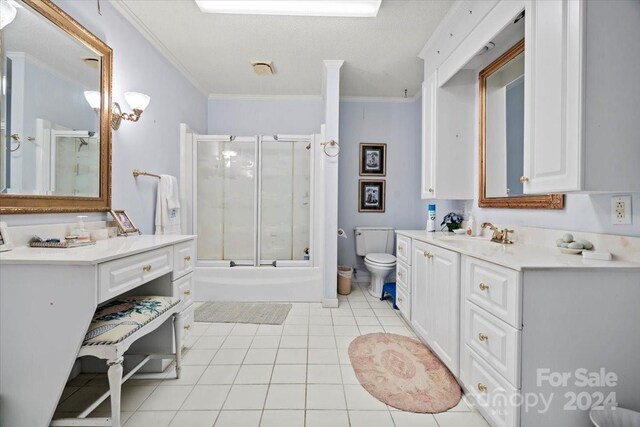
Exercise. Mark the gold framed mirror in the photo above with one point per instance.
(55, 146)
(502, 136)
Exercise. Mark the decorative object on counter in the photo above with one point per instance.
(371, 195)
(5, 239)
(601, 256)
(568, 245)
(373, 159)
(69, 242)
(125, 225)
(452, 221)
(403, 373)
(431, 217)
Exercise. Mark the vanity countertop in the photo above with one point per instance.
(102, 251)
(516, 256)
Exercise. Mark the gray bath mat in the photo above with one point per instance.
(242, 312)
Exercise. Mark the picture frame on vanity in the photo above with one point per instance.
(5, 239)
(373, 159)
(124, 223)
(371, 195)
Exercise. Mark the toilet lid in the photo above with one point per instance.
(381, 258)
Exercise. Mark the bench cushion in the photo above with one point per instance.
(118, 319)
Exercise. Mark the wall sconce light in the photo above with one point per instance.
(8, 12)
(137, 101)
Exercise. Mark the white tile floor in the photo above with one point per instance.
(292, 375)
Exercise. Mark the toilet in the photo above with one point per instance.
(376, 245)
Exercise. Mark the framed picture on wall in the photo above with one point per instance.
(373, 159)
(5, 239)
(371, 195)
(124, 223)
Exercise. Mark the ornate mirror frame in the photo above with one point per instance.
(14, 203)
(544, 201)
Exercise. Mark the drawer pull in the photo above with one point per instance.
(400, 249)
(146, 268)
(427, 254)
(187, 292)
(482, 388)
(483, 287)
(187, 327)
(187, 258)
(400, 299)
(400, 274)
(483, 337)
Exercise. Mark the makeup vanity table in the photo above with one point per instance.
(47, 300)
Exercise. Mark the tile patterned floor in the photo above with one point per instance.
(292, 375)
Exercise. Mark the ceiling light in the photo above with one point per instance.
(343, 8)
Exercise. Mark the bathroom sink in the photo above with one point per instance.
(479, 245)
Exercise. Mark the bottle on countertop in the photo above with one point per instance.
(472, 225)
(431, 220)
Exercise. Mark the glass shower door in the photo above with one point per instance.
(226, 186)
(285, 200)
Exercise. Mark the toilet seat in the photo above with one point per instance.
(380, 259)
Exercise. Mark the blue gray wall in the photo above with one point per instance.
(398, 124)
(151, 144)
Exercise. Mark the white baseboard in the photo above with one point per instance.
(330, 303)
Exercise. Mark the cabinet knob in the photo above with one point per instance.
(147, 268)
(400, 274)
(431, 190)
(483, 287)
(400, 249)
(187, 292)
(483, 337)
(482, 387)
(427, 254)
(187, 327)
(187, 258)
(523, 179)
(399, 299)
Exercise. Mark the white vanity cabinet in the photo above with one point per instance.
(49, 296)
(501, 316)
(582, 61)
(435, 300)
(448, 136)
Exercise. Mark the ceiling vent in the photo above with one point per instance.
(262, 68)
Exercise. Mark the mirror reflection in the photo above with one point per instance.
(504, 129)
(49, 143)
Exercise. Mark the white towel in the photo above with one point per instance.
(168, 206)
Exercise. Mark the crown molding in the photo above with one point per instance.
(243, 97)
(137, 23)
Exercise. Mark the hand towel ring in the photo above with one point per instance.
(332, 143)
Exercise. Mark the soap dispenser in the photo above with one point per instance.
(472, 225)
(81, 231)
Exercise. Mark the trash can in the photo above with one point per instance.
(613, 416)
(344, 279)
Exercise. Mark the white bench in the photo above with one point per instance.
(114, 327)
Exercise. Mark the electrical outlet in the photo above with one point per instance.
(621, 210)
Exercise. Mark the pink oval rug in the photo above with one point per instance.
(403, 373)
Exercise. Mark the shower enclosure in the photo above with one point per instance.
(253, 200)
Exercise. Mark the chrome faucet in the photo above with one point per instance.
(498, 236)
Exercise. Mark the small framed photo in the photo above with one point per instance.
(5, 240)
(371, 195)
(373, 159)
(125, 225)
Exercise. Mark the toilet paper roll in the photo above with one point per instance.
(341, 233)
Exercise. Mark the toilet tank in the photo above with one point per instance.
(374, 240)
